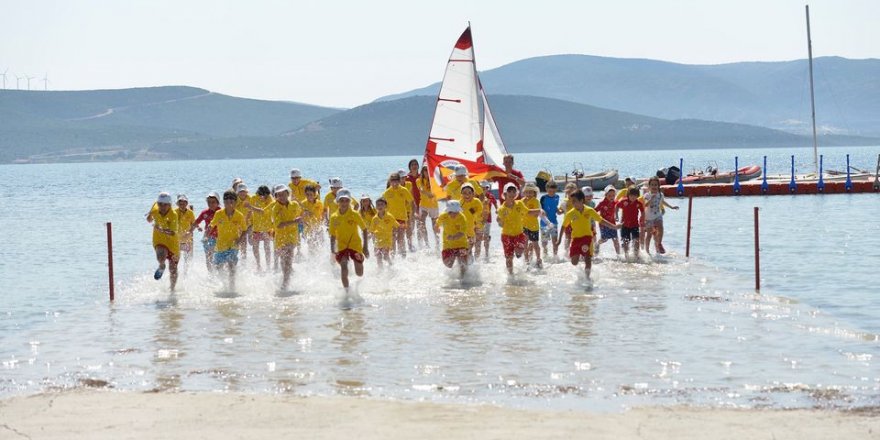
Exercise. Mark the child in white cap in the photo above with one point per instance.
(185, 220)
(298, 185)
(231, 228)
(400, 202)
(485, 225)
(580, 218)
(330, 205)
(209, 240)
(348, 236)
(455, 229)
(511, 215)
(286, 216)
(530, 224)
(453, 188)
(166, 236)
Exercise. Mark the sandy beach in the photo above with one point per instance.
(130, 415)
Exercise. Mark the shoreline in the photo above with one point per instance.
(103, 414)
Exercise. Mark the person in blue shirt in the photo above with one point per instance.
(549, 221)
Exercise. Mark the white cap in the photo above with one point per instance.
(509, 186)
(587, 190)
(402, 173)
(631, 179)
(485, 184)
(164, 197)
(453, 206)
(468, 185)
(610, 188)
(236, 181)
(366, 197)
(182, 197)
(343, 194)
(280, 188)
(461, 170)
(335, 182)
(530, 187)
(241, 187)
(295, 173)
(214, 195)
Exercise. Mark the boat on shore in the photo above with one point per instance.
(597, 181)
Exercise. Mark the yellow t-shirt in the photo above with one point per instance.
(383, 229)
(331, 207)
(368, 215)
(581, 222)
(288, 234)
(530, 222)
(298, 192)
(425, 191)
(399, 201)
(453, 189)
(185, 221)
(168, 221)
(512, 217)
(451, 226)
(312, 214)
(247, 213)
(262, 221)
(346, 228)
(229, 229)
(473, 212)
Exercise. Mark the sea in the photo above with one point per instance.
(661, 330)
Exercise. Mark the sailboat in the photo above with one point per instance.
(463, 130)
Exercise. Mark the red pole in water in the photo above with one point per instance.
(687, 248)
(757, 255)
(110, 258)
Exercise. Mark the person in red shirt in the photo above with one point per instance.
(210, 238)
(514, 176)
(607, 208)
(632, 215)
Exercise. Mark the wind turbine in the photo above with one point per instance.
(4, 78)
(29, 78)
(17, 79)
(46, 82)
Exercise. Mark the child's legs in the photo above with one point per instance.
(343, 266)
(172, 268)
(359, 268)
(448, 259)
(161, 255)
(286, 256)
(648, 233)
(616, 245)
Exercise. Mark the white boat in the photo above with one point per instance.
(597, 181)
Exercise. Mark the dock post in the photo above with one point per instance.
(848, 184)
(680, 189)
(877, 175)
(110, 260)
(736, 175)
(764, 186)
(821, 185)
(792, 186)
(757, 255)
(687, 246)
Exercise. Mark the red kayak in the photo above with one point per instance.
(712, 175)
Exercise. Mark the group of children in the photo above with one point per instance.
(284, 219)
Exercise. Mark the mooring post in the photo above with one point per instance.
(792, 186)
(821, 185)
(687, 246)
(110, 260)
(764, 186)
(736, 175)
(848, 184)
(757, 255)
(680, 189)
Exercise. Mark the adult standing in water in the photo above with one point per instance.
(513, 176)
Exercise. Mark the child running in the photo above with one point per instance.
(231, 228)
(632, 215)
(298, 185)
(312, 216)
(549, 220)
(185, 220)
(489, 203)
(564, 206)
(346, 229)
(286, 216)
(607, 208)
(453, 188)
(261, 223)
(511, 215)
(243, 205)
(209, 240)
(399, 200)
(581, 217)
(382, 226)
(472, 209)
(654, 203)
(455, 236)
(530, 224)
(166, 241)
(428, 207)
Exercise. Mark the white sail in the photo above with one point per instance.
(493, 147)
(456, 130)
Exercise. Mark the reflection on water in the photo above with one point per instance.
(351, 334)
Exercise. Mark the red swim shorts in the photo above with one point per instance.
(581, 246)
(351, 254)
(513, 243)
(449, 255)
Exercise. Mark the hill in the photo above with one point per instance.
(770, 94)
(529, 124)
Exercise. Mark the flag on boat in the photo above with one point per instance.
(463, 131)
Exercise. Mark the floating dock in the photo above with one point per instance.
(774, 188)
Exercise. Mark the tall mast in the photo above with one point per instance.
(476, 76)
(812, 95)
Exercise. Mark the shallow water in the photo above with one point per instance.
(664, 331)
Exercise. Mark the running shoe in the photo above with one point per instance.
(158, 274)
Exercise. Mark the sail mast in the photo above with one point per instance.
(478, 87)
(812, 95)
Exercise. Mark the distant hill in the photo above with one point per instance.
(37, 122)
(528, 124)
(770, 94)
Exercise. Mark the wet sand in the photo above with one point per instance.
(219, 416)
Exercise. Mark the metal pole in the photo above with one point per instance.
(812, 94)
(110, 260)
(736, 175)
(792, 186)
(687, 247)
(764, 186)
(680, 189)
(821, 185)
(848, 184)
(757, 255)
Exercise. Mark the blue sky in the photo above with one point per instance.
(345, 53)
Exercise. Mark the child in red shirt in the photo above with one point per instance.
(633, 216)
(607, 208)
(210, 238)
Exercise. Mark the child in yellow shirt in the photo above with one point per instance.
(166, 241)
(382, 227)
(455, 236)
(346, 229)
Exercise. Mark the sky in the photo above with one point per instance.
(347, 53)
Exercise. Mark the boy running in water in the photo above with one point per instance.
(298, 185)
(654, 204)
(530, 224)
(399, 200)
(453, 189)
(243, 205)
(472, 209)
(231, 228)
(382, 227)
(330, 206)
(607, 208)
(489, 202)
(286, 216)
(455, 236)
(185, 220)
(261, 223)
(633, 215)
(581, 217)
(346, 229)
(313, 215)
(428, 207)
(564, 206)
(166, 241)
(210, 238)
(549, 221)
(511, 215)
